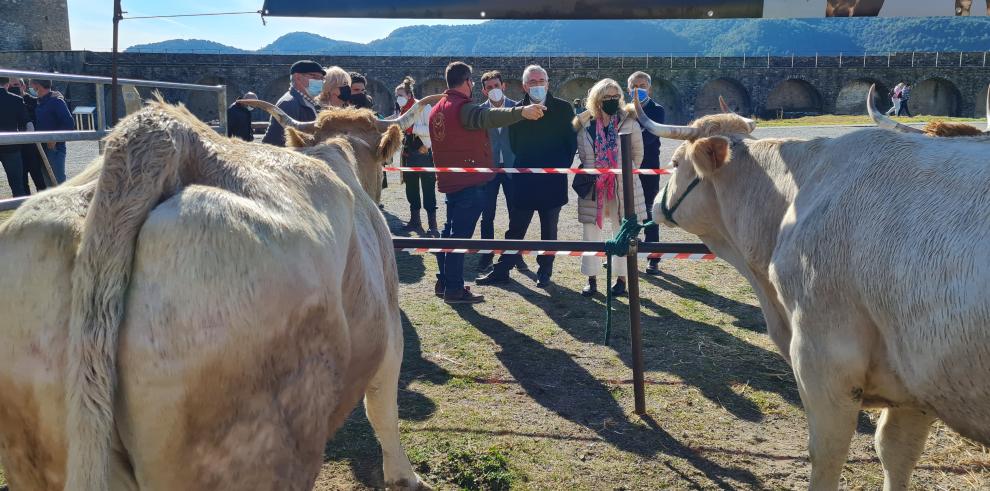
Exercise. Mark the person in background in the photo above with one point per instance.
(578, 106)
(905, 96)
(363, 101)
(52, 115)
(359, 83)
(417, 152)
(299, 102)
(639, 85)
(13, 117)
(459, 139)
(895, 100)
(239, 119)
(599, 148)
(546, 142)
(493, 90)
(336, 88)
(30, 156)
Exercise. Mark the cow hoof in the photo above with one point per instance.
(405, 485)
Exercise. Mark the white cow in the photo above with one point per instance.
(197, 312)
(870, 256)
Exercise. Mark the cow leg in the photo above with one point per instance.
(900, 439)
(381, 403)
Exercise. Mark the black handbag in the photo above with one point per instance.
(584, 185)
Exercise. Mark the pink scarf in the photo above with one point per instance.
(606, 150)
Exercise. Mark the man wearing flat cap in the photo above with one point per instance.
(305, 84)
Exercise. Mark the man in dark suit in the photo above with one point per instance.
(550, 141)
(640, 86)
(493, 90)
(30, 156)
(13, 117)
(239, 119)
(305, 85)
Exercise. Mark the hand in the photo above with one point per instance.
(533, 111)
(51, 145)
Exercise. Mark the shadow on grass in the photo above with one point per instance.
(747, 316)
(555, 381)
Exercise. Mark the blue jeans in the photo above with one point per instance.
(56, 158)
(13, 166)
(463, 211)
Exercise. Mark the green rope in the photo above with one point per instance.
(618, 246)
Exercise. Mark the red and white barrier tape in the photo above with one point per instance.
(525, 170)
(645, 255)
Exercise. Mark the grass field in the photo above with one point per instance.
(521, 393)
(835, 119)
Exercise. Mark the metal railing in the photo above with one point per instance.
(15, 138)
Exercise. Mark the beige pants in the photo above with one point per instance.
(592, 265)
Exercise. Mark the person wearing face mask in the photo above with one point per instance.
(336, 88)
(52, 114)
(305, 85)
(13, 117)
(639, 85)
(416, 152)
(547, 142)
(30, 156)
(459, 138)
(239, 119)
(601, 208)
(493, 90)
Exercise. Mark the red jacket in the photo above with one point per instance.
(456, 146)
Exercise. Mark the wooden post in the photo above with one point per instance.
(632, 280)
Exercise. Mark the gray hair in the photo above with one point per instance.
(638, 75)
(534, 68)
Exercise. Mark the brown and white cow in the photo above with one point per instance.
(197, 312)
(870, 256)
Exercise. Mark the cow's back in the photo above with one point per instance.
(895, 234)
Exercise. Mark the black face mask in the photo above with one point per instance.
(610, 107)
(345, 93)
(15, 90)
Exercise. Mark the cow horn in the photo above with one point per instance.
(664, 130)
(406, 120)
(881, 119)
(283, 119)
(723, 105)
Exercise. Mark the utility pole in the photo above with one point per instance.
(118, 14)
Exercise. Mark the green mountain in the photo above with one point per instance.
(727, 37)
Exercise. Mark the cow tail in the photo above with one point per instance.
(141, 167)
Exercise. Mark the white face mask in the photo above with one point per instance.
(495, 95)
(402, 100)
(538, 92)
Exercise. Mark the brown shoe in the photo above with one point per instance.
(465, 297)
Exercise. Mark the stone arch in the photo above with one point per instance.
(667, 95)
(852, 96)
(935, 96)
(204, 104)
(431, 87)
(793, 97)
(732, 90)
(575, 88)
(383, 96)
(981, 106)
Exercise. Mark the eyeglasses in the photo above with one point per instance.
(611, 98)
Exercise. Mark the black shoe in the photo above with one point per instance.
(485, 263)
(542, 280)
(654, 267)
(591, 288)
(493, 278)
(465, 297)
(619, 288)
(438, 289)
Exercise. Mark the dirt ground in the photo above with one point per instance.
(520, 392)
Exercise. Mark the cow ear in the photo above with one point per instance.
(390, 143)
(296, 139)
(709, 155)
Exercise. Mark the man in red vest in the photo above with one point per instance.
(458, 131)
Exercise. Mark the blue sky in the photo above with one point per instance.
(90, 24)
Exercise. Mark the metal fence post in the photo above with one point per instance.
(222, 109)
(864, 60)
(768, 59)
(912, 59)
(792, 60)
(816, 59)
(936, 59)
(960, 58)
(671, 61)
(984, 58)
(840, 59)
(888, 60)
(696, 61)
(647, 60)
(720, 61)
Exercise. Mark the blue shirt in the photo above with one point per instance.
(53, 115)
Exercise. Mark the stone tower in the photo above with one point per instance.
(36, 25)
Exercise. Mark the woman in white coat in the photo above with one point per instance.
(600, 209)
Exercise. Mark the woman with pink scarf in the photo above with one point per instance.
(600, 211)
